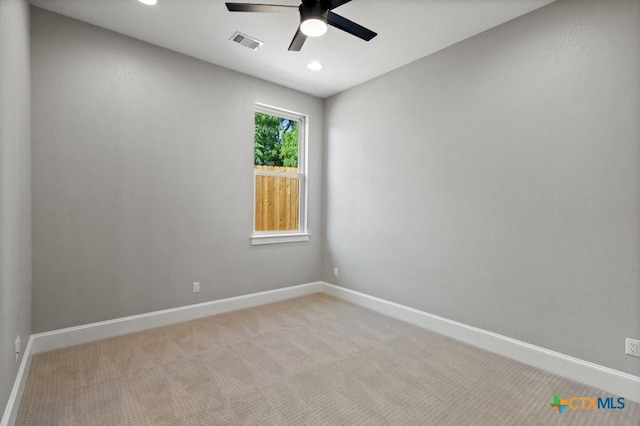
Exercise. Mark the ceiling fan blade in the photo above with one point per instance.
(298, 41)
(349, 26)
(336, 3)
(254, 7)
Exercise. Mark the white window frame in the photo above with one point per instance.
(301, 234)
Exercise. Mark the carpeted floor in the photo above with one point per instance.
(314, 360)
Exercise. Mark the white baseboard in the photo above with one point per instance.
(613, 381)
(56, 339)
(13, 404)
(610, 380)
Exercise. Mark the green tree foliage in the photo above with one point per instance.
(289, 147)
(276, 141)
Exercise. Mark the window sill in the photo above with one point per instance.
(258, 240)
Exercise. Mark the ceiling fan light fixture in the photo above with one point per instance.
(313, 27)
(148, 2)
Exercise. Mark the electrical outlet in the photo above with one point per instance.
(335, 272)
(17, 348)
(632, 347)
(196, 287)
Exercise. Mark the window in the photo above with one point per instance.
(279, 167)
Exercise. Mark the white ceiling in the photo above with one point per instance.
(407, 30)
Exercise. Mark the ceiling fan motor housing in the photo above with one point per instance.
(310, 9)
(313, 18)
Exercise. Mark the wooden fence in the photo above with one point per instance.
(277, 200)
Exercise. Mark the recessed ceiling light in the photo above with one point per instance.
(314, 66)
(148, 2)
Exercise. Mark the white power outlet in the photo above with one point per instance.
(632, 347)
(196, 287)
(17, 347)
(335, 272)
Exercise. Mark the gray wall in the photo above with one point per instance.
(497, 182)
(142, 178)
(15, 188)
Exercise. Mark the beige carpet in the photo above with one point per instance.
(314, 360)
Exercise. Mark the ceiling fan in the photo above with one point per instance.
(315, 15)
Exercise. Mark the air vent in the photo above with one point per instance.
(246, 41)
